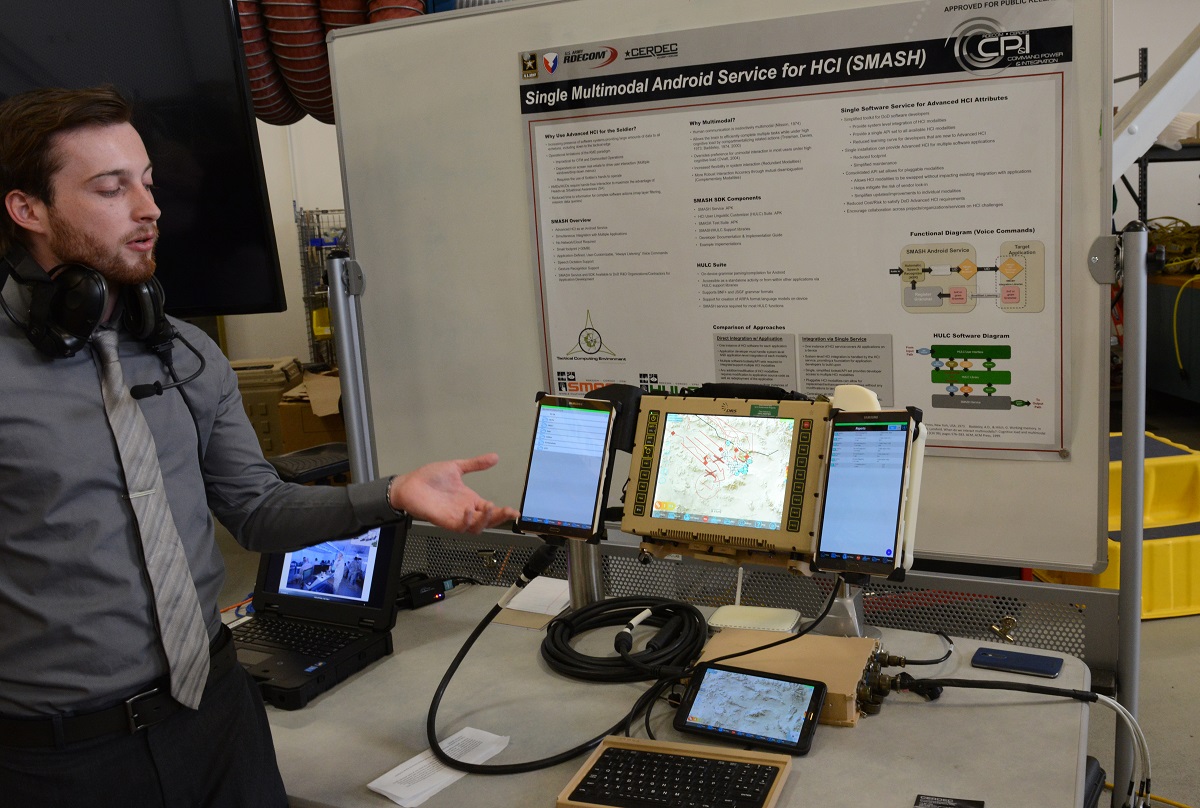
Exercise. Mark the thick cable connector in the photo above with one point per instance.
(623, 642)
(927, 690)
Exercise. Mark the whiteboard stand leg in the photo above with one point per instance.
(346, 285)
(1134, 246)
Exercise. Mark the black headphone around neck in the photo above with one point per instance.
(69, 302)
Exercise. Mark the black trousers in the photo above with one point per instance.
(219, 756)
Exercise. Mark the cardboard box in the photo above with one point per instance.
(322, 391)
(262, 383)
(310, 413)
(301, 427)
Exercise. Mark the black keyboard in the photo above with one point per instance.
(316, 639)
(650, 778)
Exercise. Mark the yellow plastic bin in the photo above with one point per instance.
(1171, 531)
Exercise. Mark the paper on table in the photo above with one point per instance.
(542, 595)
(420, 777)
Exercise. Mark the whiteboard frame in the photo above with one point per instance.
(438, 204)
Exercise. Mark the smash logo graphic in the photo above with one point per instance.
(567, 383)
(550, 61)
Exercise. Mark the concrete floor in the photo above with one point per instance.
(1168, 709)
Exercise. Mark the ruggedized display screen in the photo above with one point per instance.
(724, 470)
(737, 472)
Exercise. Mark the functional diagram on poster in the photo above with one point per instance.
(948, 278)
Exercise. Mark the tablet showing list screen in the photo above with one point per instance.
(564, 485)
(752, 707)
(861, 526)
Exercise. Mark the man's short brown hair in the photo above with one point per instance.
(30, 122)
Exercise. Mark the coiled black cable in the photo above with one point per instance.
(685, 641)
(682, 633)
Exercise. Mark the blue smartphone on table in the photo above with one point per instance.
(1002, 659)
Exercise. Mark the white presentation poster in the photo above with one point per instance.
(801, 204)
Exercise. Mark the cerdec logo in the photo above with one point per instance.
(980, 45)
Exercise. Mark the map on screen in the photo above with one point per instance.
(724, 469)
(752, 706)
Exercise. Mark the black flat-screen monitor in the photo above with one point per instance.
(180, 63)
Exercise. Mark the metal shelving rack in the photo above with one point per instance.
(319, 232)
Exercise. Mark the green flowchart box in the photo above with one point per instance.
(971, 377)
(971, 351)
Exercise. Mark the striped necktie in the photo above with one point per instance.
(180, 623)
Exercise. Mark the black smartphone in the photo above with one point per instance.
(1002, 659)
(861, 525)
(769, 710)
(564, 484)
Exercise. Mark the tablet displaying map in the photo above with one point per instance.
(753, 707)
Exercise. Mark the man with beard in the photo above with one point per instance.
(79, 624)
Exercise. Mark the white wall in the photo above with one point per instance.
(303, 168)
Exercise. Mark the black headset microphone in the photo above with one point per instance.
(68, 304)
(140, 391)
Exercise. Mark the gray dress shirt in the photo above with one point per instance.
(77, 629)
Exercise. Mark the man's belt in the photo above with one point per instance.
(148, 707)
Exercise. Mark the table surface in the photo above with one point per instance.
(1001, 747)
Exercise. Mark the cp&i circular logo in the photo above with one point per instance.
(972, 50)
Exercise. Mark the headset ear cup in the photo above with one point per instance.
(144, 316)
(68, 311)
(139, 310)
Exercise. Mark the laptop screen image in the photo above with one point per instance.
(338, 570)
(349, 571)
